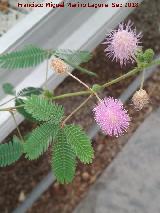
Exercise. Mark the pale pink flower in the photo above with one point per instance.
(111, 116)
(123, 43)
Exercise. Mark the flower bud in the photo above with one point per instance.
(140, 99)
(59, 66)
(148, 55)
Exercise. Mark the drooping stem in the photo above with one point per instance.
(18, 130)
(74, 111)
(85, 85)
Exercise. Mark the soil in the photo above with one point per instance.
(19, 179)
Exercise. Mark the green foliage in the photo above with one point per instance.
(39, 140)
(28, 57)
(79, 142)
(63, 160)
(148, 55)
(28, 91)
(75, 57)
(8, 89)
(48, 94)
(96, 87)
(22, 111)
(10, 152)
(43, 110)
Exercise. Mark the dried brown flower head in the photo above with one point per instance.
(59, 66)
(140, 99)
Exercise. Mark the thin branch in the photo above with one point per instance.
(142, 80)
(74, 111)
(8, 101)
(85, 85)
(18, 130)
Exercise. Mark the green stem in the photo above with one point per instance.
(72, 94)
(116, 80)
(67, 95)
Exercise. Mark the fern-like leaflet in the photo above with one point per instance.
(28, 57)
(43, 110)
(28, 91)
(79, 142)
(39, 140)
(74, 57)
(10, 152)
(63, 159)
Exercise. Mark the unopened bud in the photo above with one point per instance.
(59, 66)
(148, 55)
(140, 99)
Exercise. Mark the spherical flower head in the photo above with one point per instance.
(140, 99)
(111, 116)
(59, 66)
(123, 44)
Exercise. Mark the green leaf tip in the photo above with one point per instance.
(10, 152)
(80, 143)
(39, 140)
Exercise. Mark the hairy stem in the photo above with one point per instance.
(90, 91)
(72, 94)
(85, 85)
(116, 80)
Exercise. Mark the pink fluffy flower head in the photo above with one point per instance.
(123, 43)
(111, 116)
